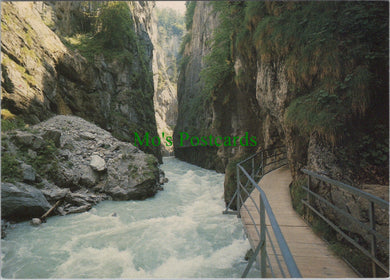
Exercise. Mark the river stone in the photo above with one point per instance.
(32, 154)
(35, 222)
(54, 135)
(4, 226)
(28, 173)
(38, 142)
(88, 177)
(67, 177)
(24, 138)
(97, 163)
(80, 209)
(52, 192)
(20, 201)
(87, 135)
(61, 211)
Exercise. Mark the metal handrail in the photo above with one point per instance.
(254, 173)
(349, 188)
(373, 200)
(286, 253)
(263, 209)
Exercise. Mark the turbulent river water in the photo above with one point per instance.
(179, 233)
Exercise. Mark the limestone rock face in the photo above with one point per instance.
(189, 89)
(232, 112)
(273, 97)
(165, 90)
(88, 166)
(41, 77)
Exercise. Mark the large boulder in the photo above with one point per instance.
(81, 166)
(22, 202)
(132, 177)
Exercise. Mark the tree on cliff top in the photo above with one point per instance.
(115, 25)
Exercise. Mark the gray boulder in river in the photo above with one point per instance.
(73, 161)
(20, 201)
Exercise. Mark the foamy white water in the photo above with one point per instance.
(179, 233)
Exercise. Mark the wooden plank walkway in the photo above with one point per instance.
(312, 255)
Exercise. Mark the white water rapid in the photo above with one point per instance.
(179, 233)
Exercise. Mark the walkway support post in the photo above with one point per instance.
(263, 252)
(373, 237)
(308, 198)
(238, 197)
(253, 168)
(262, 163)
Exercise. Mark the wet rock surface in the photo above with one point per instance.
(88, 166)
(21, 201)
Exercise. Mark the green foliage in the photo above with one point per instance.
(10, 168)
(7, 125)
(356, 258)
(231, 179)
(335, 56)
(111, 34)
(317, 111)
(186, 40)
(366, 152)
(330, 58)
(373, 151)
(46, 161)
(116, 26)
(171, 22)
(171, 28)
(190, 9)
(10, 122)
(219, 68)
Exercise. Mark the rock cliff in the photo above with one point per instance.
(259, 91)
(53, 62)
(265, 69)
(166, 46)
(195, 111)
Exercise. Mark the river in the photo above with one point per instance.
(179, 233)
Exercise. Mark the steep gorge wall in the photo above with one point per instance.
(165, 89)
(277, 88)
(269, 86)
(46, 69)
(195, 115)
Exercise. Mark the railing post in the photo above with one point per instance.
(263, 252)
(373, 237)
(238, 197)
(308, 197)
(262, 163)
(253, 168)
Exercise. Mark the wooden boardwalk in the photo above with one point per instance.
(312, 255)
